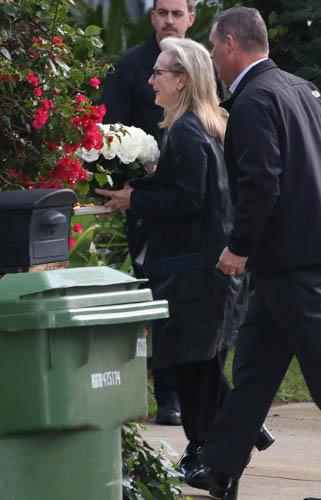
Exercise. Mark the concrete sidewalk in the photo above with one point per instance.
(288, 470)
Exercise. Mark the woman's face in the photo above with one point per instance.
(166, 84)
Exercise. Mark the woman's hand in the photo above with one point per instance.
(120, 200)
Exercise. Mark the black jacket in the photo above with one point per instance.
(130, 100)
(188, 215)
(273, 156)
(128, 96)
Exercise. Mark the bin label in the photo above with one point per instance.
(141, 348)
(106, 379)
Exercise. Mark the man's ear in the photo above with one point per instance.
(191, 19)
(230, 43)
(152, 17)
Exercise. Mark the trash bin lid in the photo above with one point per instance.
(74, 297)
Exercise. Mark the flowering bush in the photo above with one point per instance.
(46, 67)
(130, 148)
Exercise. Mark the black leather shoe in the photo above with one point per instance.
(168, 415)
(189, 460)
(264, 439)
(312, 498)
(220, 486)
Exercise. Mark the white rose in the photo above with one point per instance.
(131, 145)
(150, 151)
(111, 147)
(88, 155)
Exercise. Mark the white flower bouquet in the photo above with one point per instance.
(122, 154)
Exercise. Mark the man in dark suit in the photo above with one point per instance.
(131, 101)
(272, 151)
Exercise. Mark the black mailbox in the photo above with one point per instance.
(34, 227)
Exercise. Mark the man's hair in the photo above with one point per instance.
(246, 25)
(190, 5)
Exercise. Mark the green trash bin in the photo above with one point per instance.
(72, 370)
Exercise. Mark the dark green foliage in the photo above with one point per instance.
(147, 474)
(295, 34)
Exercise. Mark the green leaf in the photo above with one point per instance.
(64, 66)
(77, 77)
(53, 67)
(5, 52)
(96, 42)
(79, 254)
(11, 10)
(101, 179)
(92, 30)
(6, 122)
(82, 187)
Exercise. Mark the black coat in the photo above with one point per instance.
(188, 213)
(130, 100)
(273, 156)
(128, 97)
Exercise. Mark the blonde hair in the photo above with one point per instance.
(199, 93)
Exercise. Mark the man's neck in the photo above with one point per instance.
(239, 78)
(246, 60)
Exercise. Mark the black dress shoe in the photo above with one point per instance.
(168, 415)
(220, 486)
(312, 498)
(264, 439)
(189, 460)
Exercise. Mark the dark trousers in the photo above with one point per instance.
(284, 320)
(165, 388)
(202, 387)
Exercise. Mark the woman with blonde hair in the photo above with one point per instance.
(186, 207)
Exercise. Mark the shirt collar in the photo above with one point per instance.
(241, 75)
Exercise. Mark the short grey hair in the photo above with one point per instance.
(190, 5)
(246, 25)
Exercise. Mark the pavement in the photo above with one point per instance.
(289, 470)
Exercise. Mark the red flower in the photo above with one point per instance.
(76, 121)
(6, 78)
(77, 228)
(70, 148)
(37, 40)
(37, 92)
(41, 116)
(47, 104)
(33, 53)
(79, 98)
(94, 82)
(32, 78)
(98, 112)
(93, 139)
(52, 145)
(42, 113)
(57, 39)
(72, 242)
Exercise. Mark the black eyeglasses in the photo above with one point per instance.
(157, 72)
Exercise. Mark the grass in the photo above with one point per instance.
(292, 390)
